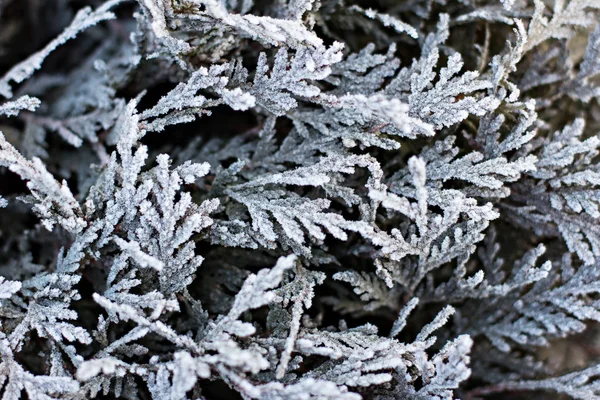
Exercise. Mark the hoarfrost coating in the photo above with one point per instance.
(299, 199)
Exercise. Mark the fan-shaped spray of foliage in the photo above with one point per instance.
(299, 199)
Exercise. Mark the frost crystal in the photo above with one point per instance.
(299, 199)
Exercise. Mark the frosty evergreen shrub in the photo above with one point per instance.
(299, 199)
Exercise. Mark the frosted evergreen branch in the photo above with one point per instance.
(273, 31)
(52, 201)
(299, 199)
(84, 19)
(13, 108)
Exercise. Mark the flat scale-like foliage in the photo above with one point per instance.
(299, 199)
